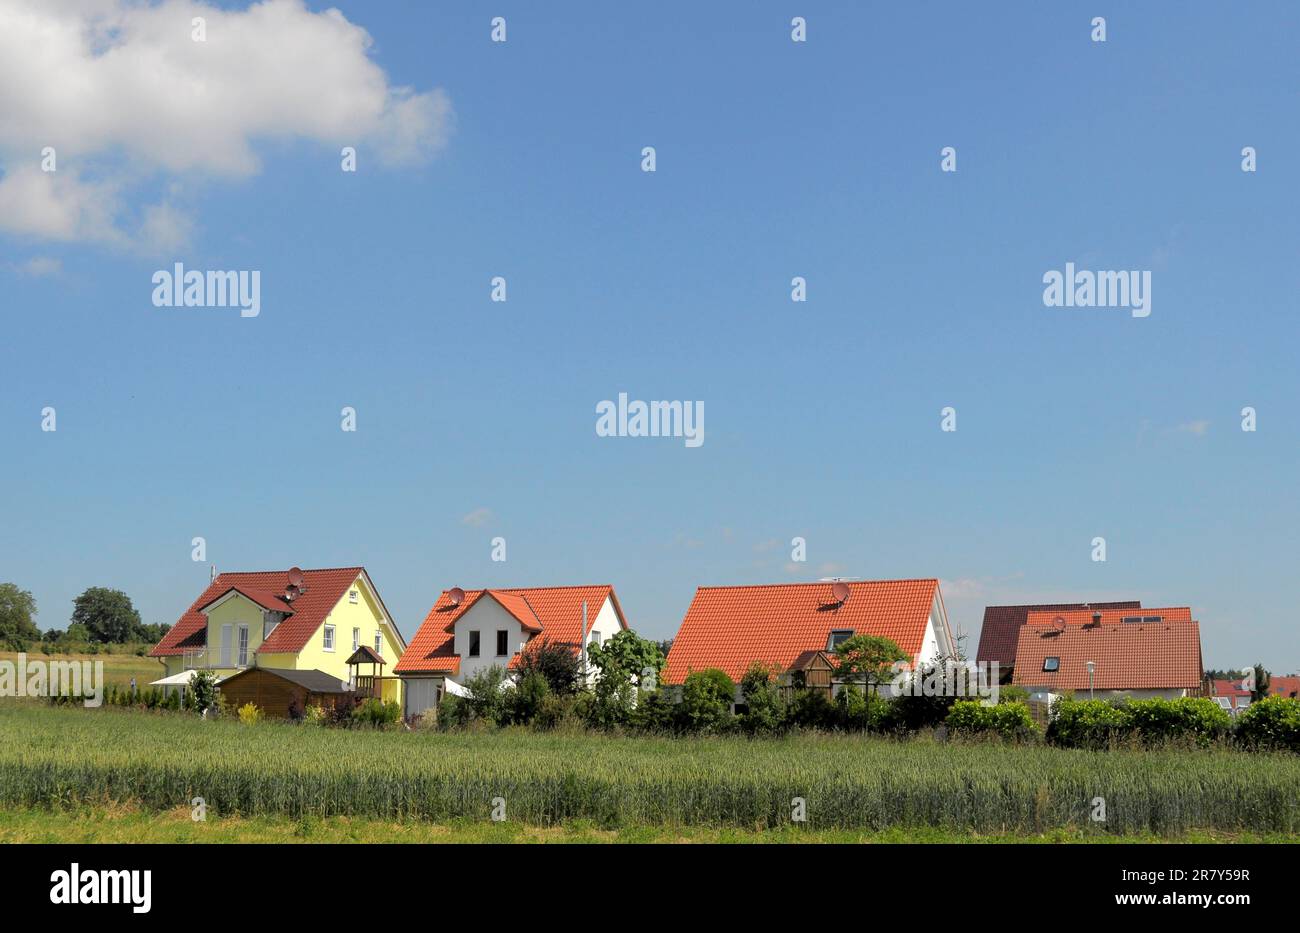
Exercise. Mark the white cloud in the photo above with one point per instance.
(1199, 427)
(37, 267)
(124, 95)
(477, 518)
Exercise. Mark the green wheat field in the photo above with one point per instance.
(274, 779)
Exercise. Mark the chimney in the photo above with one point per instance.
(1096, 617)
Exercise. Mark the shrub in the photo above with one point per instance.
(1272, 723)
(1087, 724)
(315, 716)
(764, 713)
(654, 712)
(812, 709)
(612, 701)
(523, 703)
(373, 712)
(706, 700)
(485, 695)
(249, 714)
(554, 662)
(202, 695)
(1196, 718)
(1011, 721)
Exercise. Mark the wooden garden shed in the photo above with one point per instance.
(281, 693)
(813, 670)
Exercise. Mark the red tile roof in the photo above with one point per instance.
(1230, 688)
(321, 591)
(267, 600)
(1110, 616)
(1156, 656)
(553, 611)
(1287, 686)
(730, 627)
(1002, 625)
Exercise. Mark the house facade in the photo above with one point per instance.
(284, 620)
(787, 624)
(468, 631)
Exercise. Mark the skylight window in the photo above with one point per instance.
(838, 637)
(1051, 664)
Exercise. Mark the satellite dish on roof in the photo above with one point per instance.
(456, 595)
(1059, 623)
(291, 592)
(840, 590)
(295, 577)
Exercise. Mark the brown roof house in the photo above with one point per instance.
(1154, 653)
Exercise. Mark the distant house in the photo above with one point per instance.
(1232, 695)
(284, 621)
(788, 624)
(468, 631)
(1146, 654)
(1284, 686)
(1002, 624)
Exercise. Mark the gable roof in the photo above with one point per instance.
(552, 611)
(730, 627)
(314, 680)
(264, 598)
(1155, 656)
(321, 591)
(1002, 625)
(1284, 686)
(1230, 688)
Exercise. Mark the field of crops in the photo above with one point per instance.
(70, 756)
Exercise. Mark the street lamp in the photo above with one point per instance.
(1092, 668)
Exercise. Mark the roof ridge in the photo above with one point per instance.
(249, 573)
(754, 586)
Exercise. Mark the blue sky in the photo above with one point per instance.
(775, 159)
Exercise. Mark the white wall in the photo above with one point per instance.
(1042, 693)
(486, 616)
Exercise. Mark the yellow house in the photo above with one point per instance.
(295, 620)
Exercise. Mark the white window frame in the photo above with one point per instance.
(379, 642)
(241, 645)
(329, 637)
(356, 638)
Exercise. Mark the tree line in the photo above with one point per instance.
(100, 616)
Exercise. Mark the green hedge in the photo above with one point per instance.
(1009, 720)
(1272, 723)
(1101, 723)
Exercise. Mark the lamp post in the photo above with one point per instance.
(1092, 668)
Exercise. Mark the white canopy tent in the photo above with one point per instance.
(177, 680)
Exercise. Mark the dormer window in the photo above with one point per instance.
(838, 637)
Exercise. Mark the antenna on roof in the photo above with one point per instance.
(840, 590)
(212, 573)
(456, 595)
(291, 593)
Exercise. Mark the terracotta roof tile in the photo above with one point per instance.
(554, 611)
(1157, 656)
(1284, 686)
(322, 589)
(730, 627)
(1002, 625)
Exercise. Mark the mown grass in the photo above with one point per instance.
(67, 757)
(116, 823)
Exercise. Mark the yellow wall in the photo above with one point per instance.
(235, 611)
(365, 615)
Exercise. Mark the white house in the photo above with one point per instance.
(468, 631)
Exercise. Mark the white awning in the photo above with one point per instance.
(178, 680)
